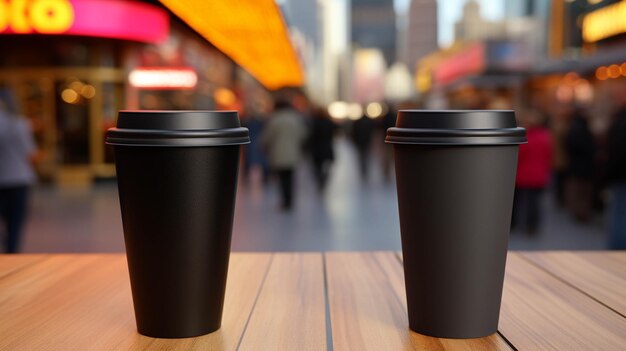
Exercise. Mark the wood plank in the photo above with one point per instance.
(368, 307)
(83, 302)
(600, 274)
(13, 263)
(290, 311)
(540, 312)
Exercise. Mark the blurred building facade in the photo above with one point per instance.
(513, 63)
(373, 25)
(472, 26)
(305, 19)
(420, 38)
(320, 31)
(74, 65)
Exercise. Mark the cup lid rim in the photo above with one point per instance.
(456, 127)
(177, 128)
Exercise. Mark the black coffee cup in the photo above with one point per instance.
(455, 173)
(177, 177)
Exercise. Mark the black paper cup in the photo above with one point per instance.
(455, 173)
(177, 177)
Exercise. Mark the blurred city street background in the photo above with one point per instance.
(351, 216)
(317, 82)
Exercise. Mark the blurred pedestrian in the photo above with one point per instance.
(388, 121)
(559, 125)
(17, 148)
(616, 165)
(581, 151)
(283, 138)
(362, 130)
(254, 156)
(533, 172)
(321, 145)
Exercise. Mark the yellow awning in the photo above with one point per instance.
(251, 32)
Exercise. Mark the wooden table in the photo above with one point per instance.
(313, 301)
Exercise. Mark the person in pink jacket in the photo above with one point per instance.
(533, 172)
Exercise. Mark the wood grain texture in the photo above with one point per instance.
(276, 302)
(290, 310)
(65, 302)
(368, 307)
(13, 263)
(540, 312)
(83, 302)
(601, 275)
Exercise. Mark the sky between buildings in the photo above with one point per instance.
(449, 11)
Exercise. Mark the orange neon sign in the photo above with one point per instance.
(41, 16)
(251, 32)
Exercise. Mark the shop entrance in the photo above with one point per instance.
(70, 110)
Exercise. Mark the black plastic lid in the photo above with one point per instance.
(177, 129)
(456, 127)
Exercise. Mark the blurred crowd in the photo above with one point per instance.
(295, 130)
(587, 172)
(584, 171)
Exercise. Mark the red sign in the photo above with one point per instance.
(472, 60)
(128, 20)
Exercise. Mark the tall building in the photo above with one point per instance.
(336, 74)
(525, 23)
(472, 26)
(524, 8)
(528, 19)
(305, 16)
(374, 26)
(420, 38)
(320, 33)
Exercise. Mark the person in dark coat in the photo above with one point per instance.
(388, 121)
(616, 168)
(254, 156)
(580, 147)
(362, 130)
(321, 145)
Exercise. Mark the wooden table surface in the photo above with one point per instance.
(313, 301)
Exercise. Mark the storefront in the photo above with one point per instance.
(604, 33)
(580, 82)
(72, 64)
(477, 75)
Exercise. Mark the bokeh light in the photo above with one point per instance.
(373, 110)
(88, 91)
(613, 71)
(70, 96)
(338, 109)
(355, 111)
(601, 73)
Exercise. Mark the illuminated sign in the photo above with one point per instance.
(467, 62)
(23, 16)
(94, 18)
(251, 32)
(423, 79)
(163, 78)
(605, 22)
